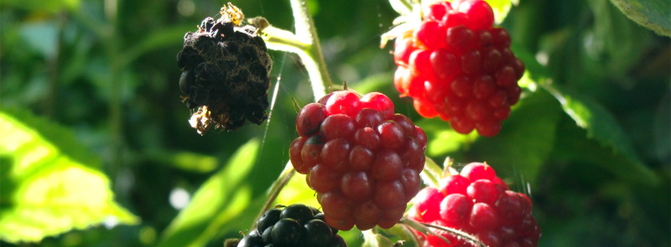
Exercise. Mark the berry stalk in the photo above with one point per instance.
(303, 43)
(456, 232)
(275, 189)
(423, 227)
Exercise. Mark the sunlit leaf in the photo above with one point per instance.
(188, 161)
(297, 191)
(48, 6)
(501, 8)
(442, 139)
(219, 200)
(402, 233)
(46, 187)
(431, 174)
(372, 239)
(403, 7)
(652, 14)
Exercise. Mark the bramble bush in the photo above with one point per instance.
(97, 149)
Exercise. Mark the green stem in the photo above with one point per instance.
(115, 87)
(458, 233)
(305, 29)
(423, 229)
(54, 68)
(303, 43)
(275, 189)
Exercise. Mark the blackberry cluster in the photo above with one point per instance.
(478, 202)
(296, 225)
(225, 73)
(361, 158)
(459, 67)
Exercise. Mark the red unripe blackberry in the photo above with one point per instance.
(343, 102)
(314, 115)
(363, 161)
(477, 202)
(457, 66)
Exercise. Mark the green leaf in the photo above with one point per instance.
(526, 138)
(158, 39)
(442, 139)
(662, 129)
(49, 6)
(220, 199)
(652, 14)
(403, 7)
(297, 191)
(188, 161)
(432, 173)
(575, 146)
(501, 8)
(602, 127)
(372, 239)
(47, 189)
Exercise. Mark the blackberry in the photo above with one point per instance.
(295, 225)
(478, 202)
(361, 158)
(225, 73)
(457, 66)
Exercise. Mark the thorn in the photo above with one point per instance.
(297, 107)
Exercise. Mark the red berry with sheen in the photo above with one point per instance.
(479, 203)
(457, 66)
(361, 158)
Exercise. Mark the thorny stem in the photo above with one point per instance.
(458, 233)
(423, 229)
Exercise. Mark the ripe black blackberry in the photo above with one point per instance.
(296, 225)
(225, 72)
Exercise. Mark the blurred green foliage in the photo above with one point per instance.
(590, 140)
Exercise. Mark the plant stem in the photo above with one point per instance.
(303, 43)
(275, 189)
(54, 68)
(115, 83)
(423, 229)
(458, 233)
(305, 29)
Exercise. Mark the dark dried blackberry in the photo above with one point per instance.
(225, 73)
